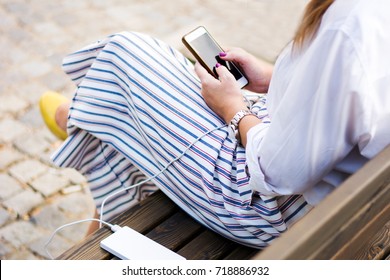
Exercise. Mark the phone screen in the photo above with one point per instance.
(206, 47)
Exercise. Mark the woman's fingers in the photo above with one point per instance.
(200, 71)
(223, 74)
(233, 54)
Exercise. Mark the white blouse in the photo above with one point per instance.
(329, 105)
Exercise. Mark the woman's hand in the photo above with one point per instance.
(222, 95)
(258, 72)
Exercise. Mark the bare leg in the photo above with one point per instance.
(62, 115)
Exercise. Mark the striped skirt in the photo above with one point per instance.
(138, 113)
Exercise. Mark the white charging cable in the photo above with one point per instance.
(246, 96)
(157, 174)
(143, 134)
(113, 228)
(116, 227)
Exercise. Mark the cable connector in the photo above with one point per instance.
(114, 228)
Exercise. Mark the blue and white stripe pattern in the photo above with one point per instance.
(137, 107)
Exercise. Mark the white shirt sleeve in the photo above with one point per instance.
(317, 117)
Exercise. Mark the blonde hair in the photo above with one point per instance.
(311, 21)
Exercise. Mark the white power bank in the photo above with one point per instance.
(128, 244)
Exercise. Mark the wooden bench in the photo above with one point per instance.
(353, 222)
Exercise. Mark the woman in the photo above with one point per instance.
(140, 109)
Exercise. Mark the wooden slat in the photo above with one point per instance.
(176, 231)
(363, 227)
(143, 217)
(379, 247)
(306, 239)
(148, 213)
(89, 249)
(207, 246)
(339, 227)
(242, 253)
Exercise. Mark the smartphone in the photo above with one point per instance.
(206, 50)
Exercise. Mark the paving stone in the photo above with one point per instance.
(74, 176)
(32, 118)
(35, 68)
(50, 183)
(8, 186)
(20, 233)
(32, 144)
(12, 104)
(7, 20)
(8, 156)
(22, 254)
(67, 209)
(11, 129)
(30, 91)
(5, 216)
(49, 136)
(55, 248)
(19, 37)
(55, 58)
(50, 217)
(55, 80)
(27, 170)
(3, 66)
(31, 17)
(76, 232)
(16, 8)
(75, 5)
(12, 77)
(37, 45)
(77, 205)
(64, 21)
(23, 202)
(5, 43)
(4, 250)
(46, 157)
(47, 28)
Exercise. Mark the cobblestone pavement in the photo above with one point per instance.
(35, 196)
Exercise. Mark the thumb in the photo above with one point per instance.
(223, 73)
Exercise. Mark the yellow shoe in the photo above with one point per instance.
(49, 103)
